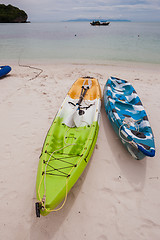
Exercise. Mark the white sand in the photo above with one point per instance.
(116, 198)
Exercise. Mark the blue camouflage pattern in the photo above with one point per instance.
(128, 118)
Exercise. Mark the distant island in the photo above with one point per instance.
(11, 14)
(102, 20)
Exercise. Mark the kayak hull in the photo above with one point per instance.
(128, 118)
(68, 146)
(4, 70)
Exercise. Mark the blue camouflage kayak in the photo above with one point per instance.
(4, 70)
(128, 118)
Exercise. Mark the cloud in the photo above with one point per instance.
(56, 10)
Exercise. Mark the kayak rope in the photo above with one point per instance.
(85, 88)
(128, 122)
(43, 200)
(44, 173)
(35, 68)
(84, 149)
(53, 158)
(82, 107)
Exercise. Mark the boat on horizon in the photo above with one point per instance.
(99, 23)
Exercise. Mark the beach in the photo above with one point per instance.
(116, 197)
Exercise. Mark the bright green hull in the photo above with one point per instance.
(84, 140)
(64, 156)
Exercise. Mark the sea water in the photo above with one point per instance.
(79, 42)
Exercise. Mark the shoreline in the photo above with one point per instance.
(74, 61)
(116, 197)
(42, 64)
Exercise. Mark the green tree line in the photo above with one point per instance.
(11, 14)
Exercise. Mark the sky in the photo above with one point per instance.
(60, 10)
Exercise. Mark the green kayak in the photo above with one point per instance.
(68, 145)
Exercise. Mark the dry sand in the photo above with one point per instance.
(116, 198)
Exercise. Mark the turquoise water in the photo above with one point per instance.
(80, 42)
